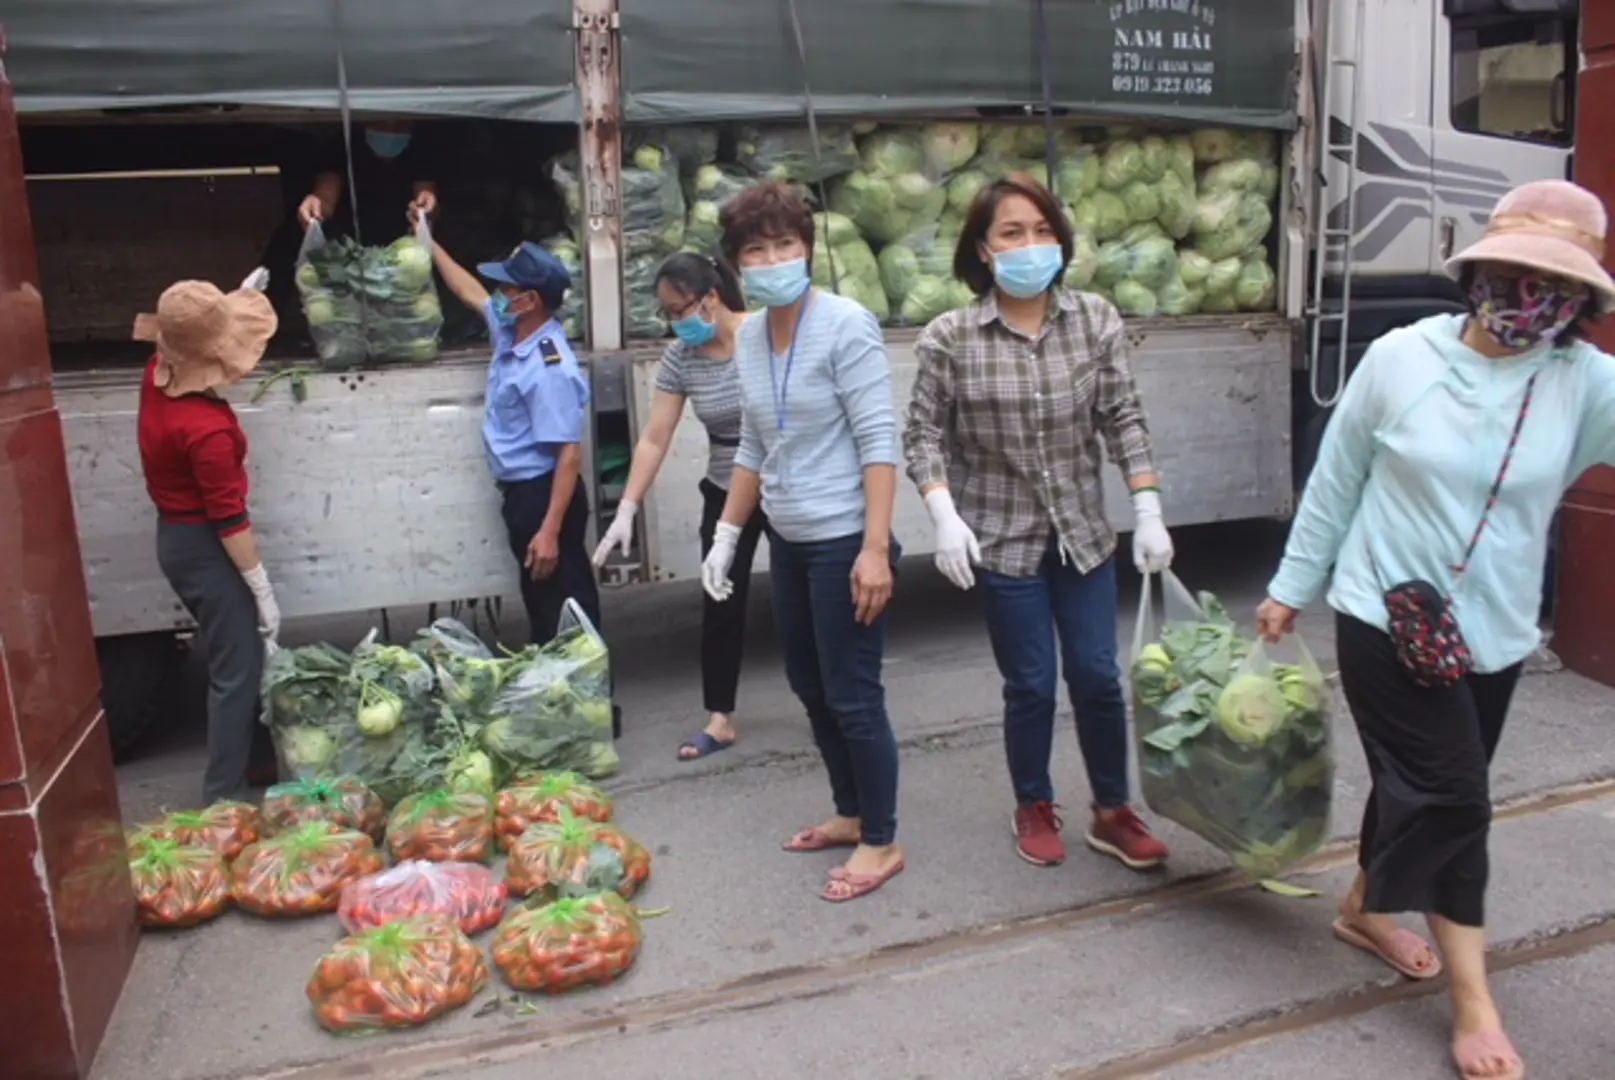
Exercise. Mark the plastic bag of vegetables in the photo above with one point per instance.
(225, 828)
(178, 885)
(574, 856)
(467, 673)
(541, 798)
(301, 872)
(553, 707)
(471, 895)
(442, 826)
(788, 153)
(1231, 745)
(344, 801)
(581, 941)
(399, 975)
(369, 303)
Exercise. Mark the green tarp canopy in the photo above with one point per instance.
(501, 59)
(1228, 61)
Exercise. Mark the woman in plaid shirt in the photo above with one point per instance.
(1014, 397)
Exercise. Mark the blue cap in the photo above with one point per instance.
(530, 267)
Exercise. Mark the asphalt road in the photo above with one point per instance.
(972, 965)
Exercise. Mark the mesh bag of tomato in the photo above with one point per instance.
(225, 827)
(178, 885)
(442, 826)
(542, 797)
(574, 856)
(399, 975)
(577, 941)
(301, 872)
(340, 800)
(471, 895)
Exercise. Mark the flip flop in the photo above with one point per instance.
(857, 884)
(1469, 1051)
(704, 745)
(815, 839)
(1408, 943)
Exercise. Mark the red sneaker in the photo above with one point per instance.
(1123, 834)
(1037, 834)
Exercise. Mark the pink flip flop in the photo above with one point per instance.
(1470, 1051)
(1405, 943)
(816, 839)
(857, 884)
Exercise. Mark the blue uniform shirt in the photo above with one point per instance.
(537, 400)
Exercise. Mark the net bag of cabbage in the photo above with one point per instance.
(369, 303)
(400, 975)
(473, 896)
(332, 713)
(178, 885)
(442, 826)
(1232, 745)
(581, 941)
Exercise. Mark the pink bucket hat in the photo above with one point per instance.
(1549, 225)
(206, 337)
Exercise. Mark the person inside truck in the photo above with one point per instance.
(193, 453)
(1015, 396)
(390, 169)
(1429, 508)
(818, 449)
(702, 300)
(534, 420)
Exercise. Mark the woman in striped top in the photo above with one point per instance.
(702, 300)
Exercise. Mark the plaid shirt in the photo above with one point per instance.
(1012, 426)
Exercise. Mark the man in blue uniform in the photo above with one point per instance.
(533, 427)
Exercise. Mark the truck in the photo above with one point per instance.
(160, 147)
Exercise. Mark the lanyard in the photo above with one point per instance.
(782, 390)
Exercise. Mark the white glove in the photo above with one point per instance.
(1152, 545)
(715, 568)
(263, 594)
(619, 534)
(956, 546)
(257, 281)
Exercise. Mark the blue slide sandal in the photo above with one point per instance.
(704, 745)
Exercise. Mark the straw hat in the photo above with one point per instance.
(1549, 225)
(206, 337)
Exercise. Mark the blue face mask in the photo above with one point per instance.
(1026, 273)
(501, 310)
(695, 331)
(387, 144)
(780, 285)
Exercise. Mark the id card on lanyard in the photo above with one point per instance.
(782, 391)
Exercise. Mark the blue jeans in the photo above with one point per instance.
(1024, 618)
(833, 665)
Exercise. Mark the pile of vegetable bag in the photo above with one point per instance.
(575, 856)
(338, 800)
(301, 872)
(442, 826)
(178, 885)
(224, 828)
(473, 896)
(1168, 222)
(369, 304)
(542, 798)
(399, 975)
(1231, 745)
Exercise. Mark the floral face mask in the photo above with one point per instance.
(1526, 308)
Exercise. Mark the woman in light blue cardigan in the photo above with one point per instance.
(1440, 473)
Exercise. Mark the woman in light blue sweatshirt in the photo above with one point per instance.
(818, 445)
(1440, 471)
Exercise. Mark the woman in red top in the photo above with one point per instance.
(194, 455)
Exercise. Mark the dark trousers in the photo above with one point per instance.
(1429, 812)
(833, 665)
(1027, 617)
(200, 572)
(526, 502)
(723, 625)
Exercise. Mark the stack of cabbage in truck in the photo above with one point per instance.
(1186, 140)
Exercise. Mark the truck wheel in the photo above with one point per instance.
(136, 673)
